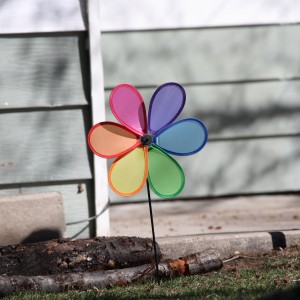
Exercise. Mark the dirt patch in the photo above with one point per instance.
(278, 258)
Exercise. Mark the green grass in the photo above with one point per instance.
(236, 281)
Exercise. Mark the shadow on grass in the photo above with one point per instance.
(289, 294)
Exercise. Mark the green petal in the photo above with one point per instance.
(165, 175)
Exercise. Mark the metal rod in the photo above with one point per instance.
(153, 233)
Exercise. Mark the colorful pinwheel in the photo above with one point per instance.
(142, 148)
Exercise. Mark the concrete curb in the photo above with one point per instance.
(228, 243)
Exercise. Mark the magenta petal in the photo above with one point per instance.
(166, 104)
(128, 107)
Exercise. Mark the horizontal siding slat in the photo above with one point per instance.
(7, 191)
(239, 167)
(42, 16)
(252, 166)
(240, 110)
(195, 56)
(149, 14)
(43, 71)
(44, 146)
(56, 15)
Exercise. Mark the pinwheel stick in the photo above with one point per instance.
(153, 233)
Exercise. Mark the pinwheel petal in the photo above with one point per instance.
(129, 108)
(109, 139)
(184, 137)
(165, 175)
(128, 173)
(166, 104)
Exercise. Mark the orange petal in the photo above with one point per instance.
(109, 139)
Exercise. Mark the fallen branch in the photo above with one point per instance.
(190, 265)
(238, 257)
(85, 255)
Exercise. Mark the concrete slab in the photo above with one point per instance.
(244, 224)
(220, 215)
(31, 218)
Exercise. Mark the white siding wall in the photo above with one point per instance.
(241, 77)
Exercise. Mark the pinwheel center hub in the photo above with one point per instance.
(146, 140)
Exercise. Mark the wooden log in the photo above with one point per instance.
(194, 264)
(85, 255)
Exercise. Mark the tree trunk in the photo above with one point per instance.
(86, 255)
(190, 265)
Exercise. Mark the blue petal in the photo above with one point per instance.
(184, 137)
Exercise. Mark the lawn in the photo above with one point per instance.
(248, 277)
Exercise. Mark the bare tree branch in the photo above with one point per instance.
(190, 265)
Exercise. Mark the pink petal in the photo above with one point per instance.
(128, 107)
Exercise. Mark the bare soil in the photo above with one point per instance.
(288, 258)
